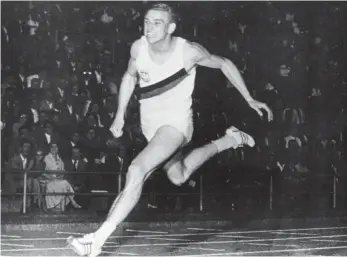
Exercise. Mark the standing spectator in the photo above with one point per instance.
(38, 165)
(13, 182)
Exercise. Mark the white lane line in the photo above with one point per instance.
(202, 229)
(236, 236)
(169, 239)
(293, 233)
(146, 231)
(36, 249)
(269, 251)
(264, 244)
(111, 243)
(283, 230)
(212, 254)
(231, 241)
(290, 250)
(70, 233)
(185, 234)
(34, 239)
(11, 236)
(328, 240)
(201, 248)
(20, 245)
(201, 243)
(119, 253)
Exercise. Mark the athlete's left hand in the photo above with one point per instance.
(259, 106)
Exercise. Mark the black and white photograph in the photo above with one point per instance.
(173, 128)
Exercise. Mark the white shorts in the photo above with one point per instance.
(183, 123)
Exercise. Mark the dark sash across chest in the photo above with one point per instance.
(162, 86)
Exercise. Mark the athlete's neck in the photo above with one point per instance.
(162, 46)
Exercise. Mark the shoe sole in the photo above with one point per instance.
(233, 129)
(70, 241)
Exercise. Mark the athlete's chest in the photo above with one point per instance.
(160, 59)
(152, 70)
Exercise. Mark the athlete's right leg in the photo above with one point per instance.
(163, 145)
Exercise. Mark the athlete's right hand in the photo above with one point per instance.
(117, 127)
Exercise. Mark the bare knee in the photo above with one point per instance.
(176, 175)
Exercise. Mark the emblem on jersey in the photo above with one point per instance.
(144, 76)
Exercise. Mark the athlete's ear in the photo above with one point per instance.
(172, 28)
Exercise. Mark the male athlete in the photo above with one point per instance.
(166, 67)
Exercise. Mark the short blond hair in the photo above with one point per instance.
(165, 8)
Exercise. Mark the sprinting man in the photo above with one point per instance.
(165, 68)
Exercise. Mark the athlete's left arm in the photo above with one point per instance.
(195, 54)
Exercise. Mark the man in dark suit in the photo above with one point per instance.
(110, 113)
(76, 164)
(25, 133)
(68, 113)
(13, 182)
(19, 80)
(44, 139)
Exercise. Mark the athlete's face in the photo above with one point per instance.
(157, 25)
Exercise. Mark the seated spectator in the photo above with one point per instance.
(68, 113)
(75, 89)
(60, 89)
(44, 138)
(69, 143)
(56, 183)
(294, 163)
(47, 104)
(107, 162)
(25, 132)
(109, 113)
(92, 142)
(33, 110)
(76, 164)
(94, 109)
(90, 121)
(35, 83)
(14, 182)
(20, 80)
(83, 103)
(39, 163)
(23, 120)
(43, 116)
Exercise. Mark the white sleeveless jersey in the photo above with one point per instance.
(176, 102)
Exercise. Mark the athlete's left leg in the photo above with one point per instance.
(179, 170)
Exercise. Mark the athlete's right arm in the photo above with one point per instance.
(128, 82)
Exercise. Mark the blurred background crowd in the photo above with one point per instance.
(58, 60)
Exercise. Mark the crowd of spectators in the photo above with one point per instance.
(57, 108)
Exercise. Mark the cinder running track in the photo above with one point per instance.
(276, 238)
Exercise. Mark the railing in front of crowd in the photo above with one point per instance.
(271, 178)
